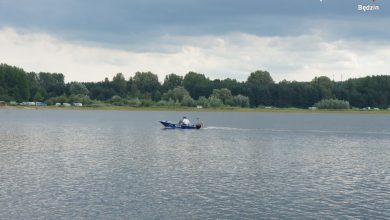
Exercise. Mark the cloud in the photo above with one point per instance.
(128, 24)
(232, 55)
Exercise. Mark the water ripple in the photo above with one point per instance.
(96, 165)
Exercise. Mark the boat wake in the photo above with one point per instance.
(297, 131)
(228, 128)
(247, 129)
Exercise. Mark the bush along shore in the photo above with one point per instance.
(192, 91)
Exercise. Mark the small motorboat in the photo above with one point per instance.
(168, 124)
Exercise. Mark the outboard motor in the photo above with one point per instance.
(198, 125)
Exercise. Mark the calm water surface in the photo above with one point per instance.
(123, 165)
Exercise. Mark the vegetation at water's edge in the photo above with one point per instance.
(144, 89)
(332, 104)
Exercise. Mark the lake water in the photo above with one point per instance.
(122, 165)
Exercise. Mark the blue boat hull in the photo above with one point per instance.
(168, 124)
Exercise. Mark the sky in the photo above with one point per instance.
(88, 40)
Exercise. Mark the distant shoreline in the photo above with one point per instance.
(189, 109)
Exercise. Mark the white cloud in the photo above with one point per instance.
(233, 55)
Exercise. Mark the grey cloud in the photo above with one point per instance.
(139, 24)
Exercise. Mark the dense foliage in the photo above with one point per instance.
(332, 104)
(145, 89)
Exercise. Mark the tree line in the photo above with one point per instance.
(145, 89)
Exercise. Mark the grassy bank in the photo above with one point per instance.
(191, 109)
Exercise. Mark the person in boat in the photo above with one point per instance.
(184, 121)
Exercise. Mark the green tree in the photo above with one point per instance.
(324, 86)
(14, 82)
(76, 88)
(38, 97)
(33, 84)
(177, 94)
(197, 85)
(259, 84)
(202, 101)
(332, 104)
(214, 102)
(188, 101)
(147, 82)
(53, 84)
(119, 84)
(240, 101)
(259, 78)
(172, 81)
(223, 94)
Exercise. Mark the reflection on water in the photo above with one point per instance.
(123, 165)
